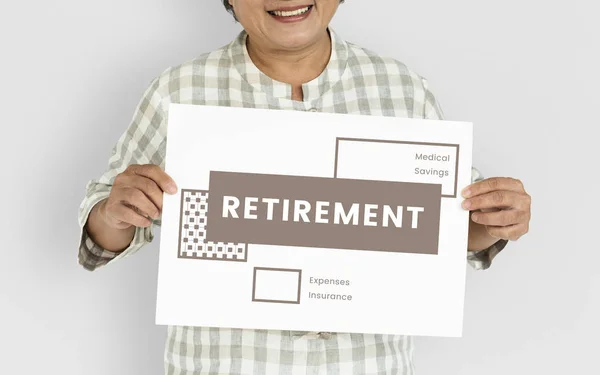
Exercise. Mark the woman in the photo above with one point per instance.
(286, 58)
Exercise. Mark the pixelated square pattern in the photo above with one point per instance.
(192, 239)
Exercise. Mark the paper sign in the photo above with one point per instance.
(314, 222)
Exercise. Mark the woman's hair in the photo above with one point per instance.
(230, 8)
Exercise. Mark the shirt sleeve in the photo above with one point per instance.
(482, 259)
(141, 143)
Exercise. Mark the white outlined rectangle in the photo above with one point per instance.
(277, 285)
(422, 162)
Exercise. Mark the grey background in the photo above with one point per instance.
(525, 72)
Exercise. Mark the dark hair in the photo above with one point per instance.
(230, 8)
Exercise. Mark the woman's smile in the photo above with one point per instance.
(291, 14)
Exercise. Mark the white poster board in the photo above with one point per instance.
(312, 221)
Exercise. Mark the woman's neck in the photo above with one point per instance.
(292, 67)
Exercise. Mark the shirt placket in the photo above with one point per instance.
(311, 335)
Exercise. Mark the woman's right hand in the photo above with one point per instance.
(136, 197)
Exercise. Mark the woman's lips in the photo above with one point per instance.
(291, 14)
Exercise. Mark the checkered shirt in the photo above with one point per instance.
(355, 81)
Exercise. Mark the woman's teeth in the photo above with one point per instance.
(296, 12)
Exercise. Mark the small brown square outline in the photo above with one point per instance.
(299, 271)
(337, 144)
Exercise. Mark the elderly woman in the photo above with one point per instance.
(287, 58)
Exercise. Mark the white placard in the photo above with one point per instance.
(312, 221)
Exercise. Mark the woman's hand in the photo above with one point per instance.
(501, 206)
(136, 197)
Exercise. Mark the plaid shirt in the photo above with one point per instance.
(355, 81)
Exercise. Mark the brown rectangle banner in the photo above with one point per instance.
(323, 212)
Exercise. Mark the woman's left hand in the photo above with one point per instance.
(501, 205)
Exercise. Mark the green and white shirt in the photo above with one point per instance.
(355, 81)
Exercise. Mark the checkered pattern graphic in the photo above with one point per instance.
(356, 81)
(192, 240)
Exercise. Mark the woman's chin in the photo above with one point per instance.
(296, 39)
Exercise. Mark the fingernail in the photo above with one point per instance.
(171, 188)
(475, 217)
(466, 192)
(466, 204)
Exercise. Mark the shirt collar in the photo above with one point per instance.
(312, 90)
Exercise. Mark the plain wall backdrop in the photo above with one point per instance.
(525, 72)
